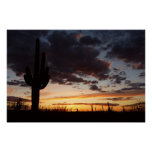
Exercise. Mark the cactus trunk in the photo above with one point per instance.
(35, 87)
(35, 98)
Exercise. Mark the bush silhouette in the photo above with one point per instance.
(40, 77)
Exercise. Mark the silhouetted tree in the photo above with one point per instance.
(19, 104)
(123, 108)
(108, 107)
(92, 108)
(102, 107)
(40, 77)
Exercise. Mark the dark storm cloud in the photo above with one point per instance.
(89, 40)
(67, 78)
(130, 49)
(17, 83)
(20, 48)
(68, 56)
(61, 54)
(71, 59)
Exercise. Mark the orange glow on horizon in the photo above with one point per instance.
(130, 94)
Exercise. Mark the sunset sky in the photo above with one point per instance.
(86, 67)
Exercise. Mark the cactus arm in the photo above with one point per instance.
(44, 79)
(44, 84)
(28, 76)
(27, 80)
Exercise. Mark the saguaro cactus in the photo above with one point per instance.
(40, 77)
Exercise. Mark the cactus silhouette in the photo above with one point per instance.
(40, 77)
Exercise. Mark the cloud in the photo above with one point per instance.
(136, 104)
(73, 56)
(17, 83)
(15, 99)
(132, 87)
(127, 82)
(96, 104)
(95, 88)
(116, 78)
(87, 40)
(142, 74)
(120, 98)
(122, 73)
(137, 85)
(116, 70)
(20, 48)
(130, 49)
(69, 55)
